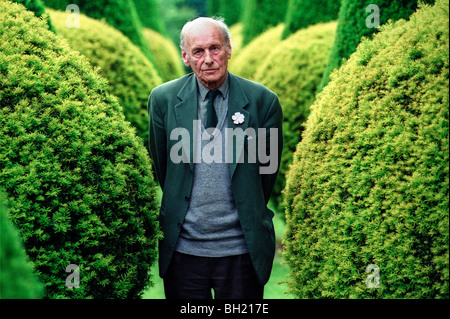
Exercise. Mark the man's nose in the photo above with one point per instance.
(208, 57)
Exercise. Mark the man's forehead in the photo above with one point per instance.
(203, 32)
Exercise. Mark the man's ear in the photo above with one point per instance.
(184, 56)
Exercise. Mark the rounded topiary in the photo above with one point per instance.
(353, 26)
(77, 177)
(367, 195)
(38, 8)
(293, 69)
(121, 14)
(165, 54)
(17, 280)
(131, 76)
(236, 38)
(250, 57)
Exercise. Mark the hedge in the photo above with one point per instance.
(165, 54)
(293, 70)
(121, 14)
(16, 274)
(236, 39)
(352, 27)
(303, 13)
(131, 76)
(149, 12)
(230, 10)
(369, 184)
(260, 15)
(77, 177)
(38, 8)
(250, 57)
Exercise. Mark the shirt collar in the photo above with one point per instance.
(223, 88)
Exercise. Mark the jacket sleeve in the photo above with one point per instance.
(157, 138)
(273, 123)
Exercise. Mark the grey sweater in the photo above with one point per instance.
(211, 227)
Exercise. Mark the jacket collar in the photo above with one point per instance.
(186, 113)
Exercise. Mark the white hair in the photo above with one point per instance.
(218, 21)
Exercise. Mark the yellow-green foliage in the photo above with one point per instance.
(130, 75)
(77, 178)
(236, 38)
(369, 184)
(165, 54)
(293, 69)
(251, 57)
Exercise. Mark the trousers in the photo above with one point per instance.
(194, 277)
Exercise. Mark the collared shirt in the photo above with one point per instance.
(220, 102)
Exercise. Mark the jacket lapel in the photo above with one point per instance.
(186, 113)
(237, 102)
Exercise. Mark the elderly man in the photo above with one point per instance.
(204, 129)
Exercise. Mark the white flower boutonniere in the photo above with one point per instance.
(238, 118)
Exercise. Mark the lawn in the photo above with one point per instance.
(274, 289)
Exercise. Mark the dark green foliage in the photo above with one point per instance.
(38, 8)
(293, 69)
(149, 12)
(369, 183)
(121, 14)
(230, 10)
(131, 76)
(259, 15)
(77, 177)
(16, 275)
(352, 27)
(302, 13)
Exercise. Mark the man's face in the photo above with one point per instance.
(207, 54)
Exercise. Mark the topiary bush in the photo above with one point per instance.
(16, 274)
(250, 57)
(38, 8)
(230, 10)
(131, 76)
(165, 54)
(303, 13)
(236, 38)
(149, 12)
(369, 184)
(77, 177)
(260, 15)
(352, 27)
(121, 14)
(293, 70)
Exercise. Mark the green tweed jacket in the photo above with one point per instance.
(174, 105)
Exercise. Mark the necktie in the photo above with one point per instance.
(211, 116)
